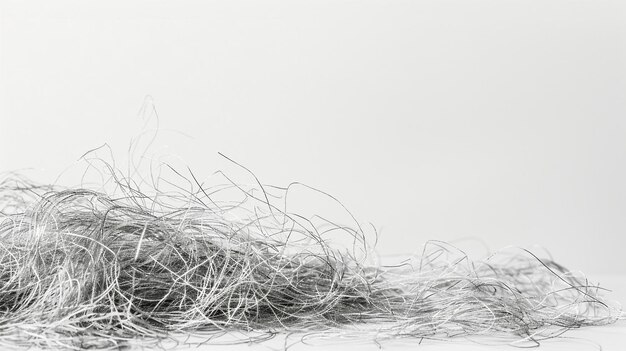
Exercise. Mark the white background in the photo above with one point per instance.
(502, 121)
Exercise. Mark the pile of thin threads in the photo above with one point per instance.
(103, 265)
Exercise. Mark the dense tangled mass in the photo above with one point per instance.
(99, 265)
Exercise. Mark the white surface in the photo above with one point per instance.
(606, 338)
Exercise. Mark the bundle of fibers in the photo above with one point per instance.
(104, 265)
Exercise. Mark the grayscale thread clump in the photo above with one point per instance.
(102, 265)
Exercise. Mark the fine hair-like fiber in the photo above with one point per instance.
(102, 265)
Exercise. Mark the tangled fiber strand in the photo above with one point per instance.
(100, 266)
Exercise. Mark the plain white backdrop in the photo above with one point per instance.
(501, 121)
